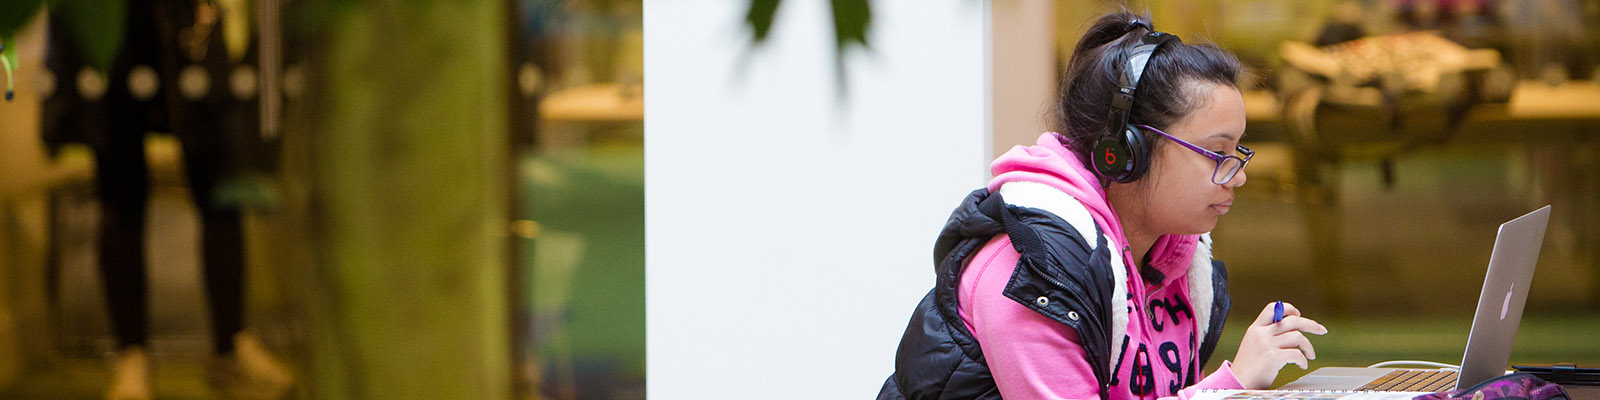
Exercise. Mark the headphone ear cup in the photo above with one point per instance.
(1111, 158)
(1138, 152)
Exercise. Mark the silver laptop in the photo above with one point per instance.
(1505, 291)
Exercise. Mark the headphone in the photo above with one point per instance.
(1122, 153)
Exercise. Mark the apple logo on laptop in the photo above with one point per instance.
(1507, 303)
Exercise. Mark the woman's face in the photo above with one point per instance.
(1178, 194)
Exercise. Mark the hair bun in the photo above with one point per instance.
(1137, 23)
(1109, 28)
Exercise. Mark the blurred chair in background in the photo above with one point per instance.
(1372, 98)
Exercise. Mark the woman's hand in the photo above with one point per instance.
(1268, 346)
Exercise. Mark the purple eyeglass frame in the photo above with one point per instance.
(1217, 158)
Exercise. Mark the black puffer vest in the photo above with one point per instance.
(938, 357)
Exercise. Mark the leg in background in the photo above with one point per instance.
(123, 185)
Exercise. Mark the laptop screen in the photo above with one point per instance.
(1505, 292)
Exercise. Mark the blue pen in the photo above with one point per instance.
(1277, 312)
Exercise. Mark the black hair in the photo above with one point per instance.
(1167, 91)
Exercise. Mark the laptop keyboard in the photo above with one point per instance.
(1413, 380)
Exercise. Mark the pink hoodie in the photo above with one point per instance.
(1034, 357)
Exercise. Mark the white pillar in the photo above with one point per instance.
(789, 226)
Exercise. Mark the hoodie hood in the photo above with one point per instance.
(1050, 163)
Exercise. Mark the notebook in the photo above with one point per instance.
(1494, 328)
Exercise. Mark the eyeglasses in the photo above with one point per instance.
(1227, 165)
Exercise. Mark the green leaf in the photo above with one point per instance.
(16, 13)
(10, 52)
(8, 56)
(851, 19)
(96, 24)
(760, 18)
(307, 19)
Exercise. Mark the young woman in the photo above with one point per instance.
(1084, 270)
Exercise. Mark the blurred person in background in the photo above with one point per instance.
(173, 72)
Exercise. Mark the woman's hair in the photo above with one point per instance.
(1168, 90)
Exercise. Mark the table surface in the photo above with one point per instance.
(1529, 100)
(1583, 392)
(599, 102)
